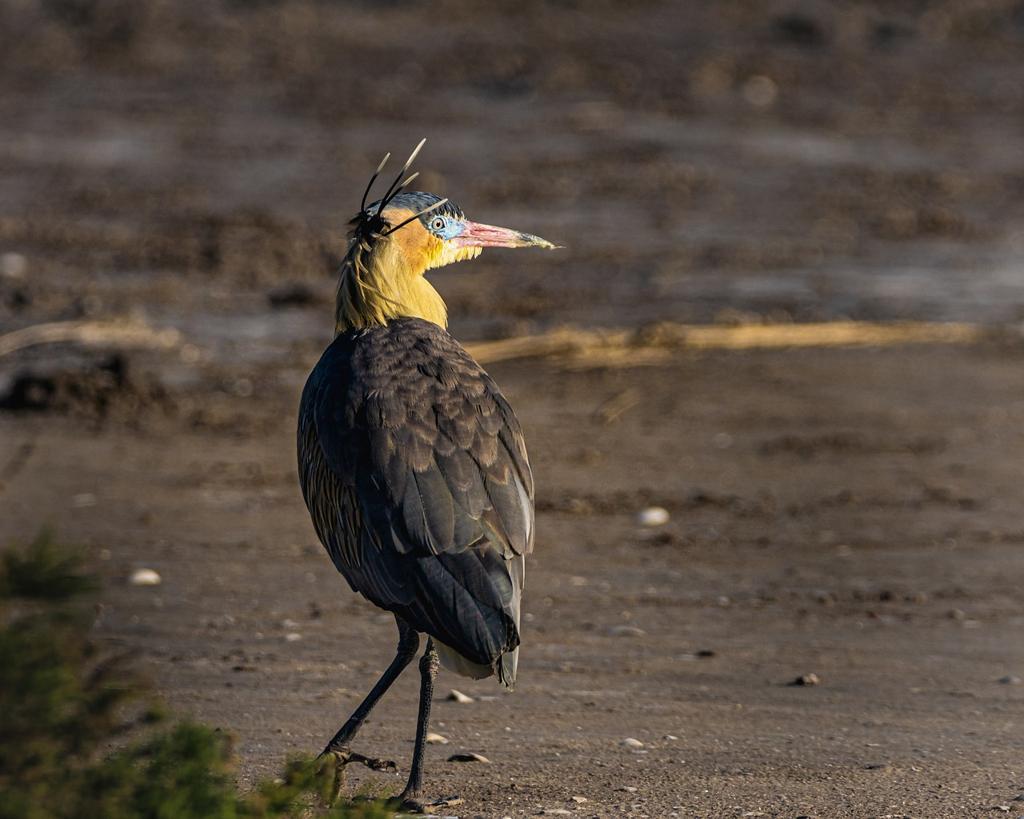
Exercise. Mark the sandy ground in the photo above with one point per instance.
(851, 513)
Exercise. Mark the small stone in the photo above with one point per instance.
(242, 387)
(144, 577)
(626, 631)
(292, 637)
(468, 757)
(1018, 798)
(760, 91)
(436, 739)
(631, 743)
(670, 737)
(555, 812)
(1001, 808)
(876, 766)
(190, 353)
(13, 265)
(627, 789)
(806, 679)
(579, 800)
(652, 516)
(458, 696)
(1010, 679)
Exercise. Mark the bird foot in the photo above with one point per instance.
(346, 756)
(406, 804)
(342, 757)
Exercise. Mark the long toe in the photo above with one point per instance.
(408, 804)
(340, 758)
(345, 756)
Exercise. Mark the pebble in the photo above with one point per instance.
(13, 265)
(555, 812)
(458, 696)
(807, 679)
(633, 744)
(468, 757)
(670, 737)
(579, 800)
(626, 631)
(242, 387)
(627, 789)
(1010, 679)
(436, 739)
(760, 91)
(652, 516)
(292, 637)
(144, 577)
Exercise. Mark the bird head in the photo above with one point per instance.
(428, 231)
(398, 238)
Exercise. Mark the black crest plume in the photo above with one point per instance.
(371, 226)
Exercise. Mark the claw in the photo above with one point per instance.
(373, 763)
(342, 757)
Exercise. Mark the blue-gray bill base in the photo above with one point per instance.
(412, 463)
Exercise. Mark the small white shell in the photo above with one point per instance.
(144, 577)
(652, 516)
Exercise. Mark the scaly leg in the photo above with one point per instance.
(409, 798)
(408, 645)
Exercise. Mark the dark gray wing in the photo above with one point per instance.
(414, 469)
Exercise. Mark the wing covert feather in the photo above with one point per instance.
(414, 469)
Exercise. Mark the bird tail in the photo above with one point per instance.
(505, 666)
(453, 661)
(507, 662)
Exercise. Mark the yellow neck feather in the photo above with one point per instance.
(380, 284)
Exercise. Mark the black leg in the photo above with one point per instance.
(428, 671)
(408, 645)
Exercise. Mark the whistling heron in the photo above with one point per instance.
(411, 461)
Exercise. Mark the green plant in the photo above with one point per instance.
(65, 702)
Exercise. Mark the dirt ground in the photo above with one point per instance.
(849, 513)
(853, 514)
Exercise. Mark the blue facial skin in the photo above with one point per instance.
(443, 226)
(445, 222)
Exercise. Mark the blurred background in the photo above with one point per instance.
(175, 182)
(798, 160)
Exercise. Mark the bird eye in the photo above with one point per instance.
(437, 223)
